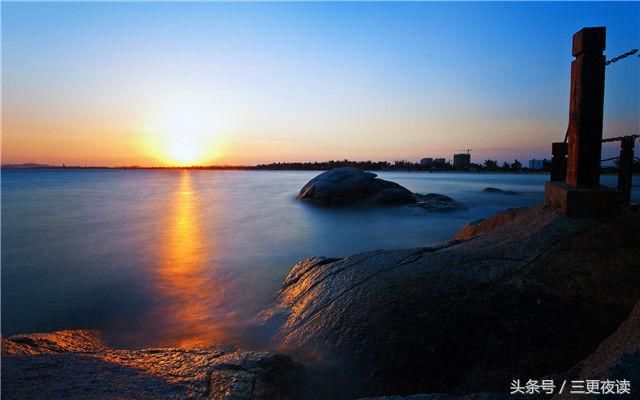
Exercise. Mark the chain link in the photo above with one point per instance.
(619, 138)
(620, 57)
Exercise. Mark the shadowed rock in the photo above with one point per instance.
(352, 186)
(77, 365)
(496, 190)
(349, 186)
(618, 357)
(524, 294)
(437, 202)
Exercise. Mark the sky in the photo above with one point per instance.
(243, 83)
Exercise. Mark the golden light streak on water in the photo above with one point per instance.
(190, 294)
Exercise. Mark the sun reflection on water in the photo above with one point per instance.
(188, 317)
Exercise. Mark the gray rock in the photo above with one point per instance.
(496, 190)
(524, 294)
(349, 186)
(437, 202)
(77, 365)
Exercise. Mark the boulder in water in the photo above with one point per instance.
(352, 186)
(437, 202)
(497, 190)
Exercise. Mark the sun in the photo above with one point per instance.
(185, 137)
(185, 150)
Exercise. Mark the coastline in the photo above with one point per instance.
(604, 172)
(543, 294)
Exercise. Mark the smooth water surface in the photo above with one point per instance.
(173, 257)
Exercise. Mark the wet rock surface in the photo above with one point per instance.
(511, 296)
(352, 186)
(77, 365)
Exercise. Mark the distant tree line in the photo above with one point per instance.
(492, 166)
(399, 165)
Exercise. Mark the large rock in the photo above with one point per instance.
(524, 294)
(78, 365)
(616, 358)
(348, 186)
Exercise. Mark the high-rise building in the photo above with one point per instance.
(439, 162)
(462, 161)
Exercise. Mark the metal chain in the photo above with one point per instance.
(613, 60)
(619, 138)
(620, 57)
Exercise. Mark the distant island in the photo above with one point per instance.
(27, 165)
(400, 165)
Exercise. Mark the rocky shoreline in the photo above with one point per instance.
(525, 294)
(77, 364)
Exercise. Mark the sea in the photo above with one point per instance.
(190, 257)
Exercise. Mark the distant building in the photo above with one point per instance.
(439, 162)
(462, 161)
(536, 164)
(427, 162)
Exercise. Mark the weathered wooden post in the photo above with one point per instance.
(586, 107)
(625, 174)
(581, 194)
(558, 161)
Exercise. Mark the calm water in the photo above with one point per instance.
(176, 257)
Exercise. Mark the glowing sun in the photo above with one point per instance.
(186, 137)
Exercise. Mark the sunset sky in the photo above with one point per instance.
(245, 83)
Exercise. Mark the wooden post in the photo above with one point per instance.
(580, 195)
(586, 108)
(625, 173)
(558, 161)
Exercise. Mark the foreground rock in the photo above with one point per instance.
(618, 357)
(524, 294)
(348, 186)
(78, 365)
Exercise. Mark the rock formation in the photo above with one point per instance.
(348, 186)
(496, 190)
(352, 186)
(618, 357)
(437, 202)
(78, 365)
(524, 294)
